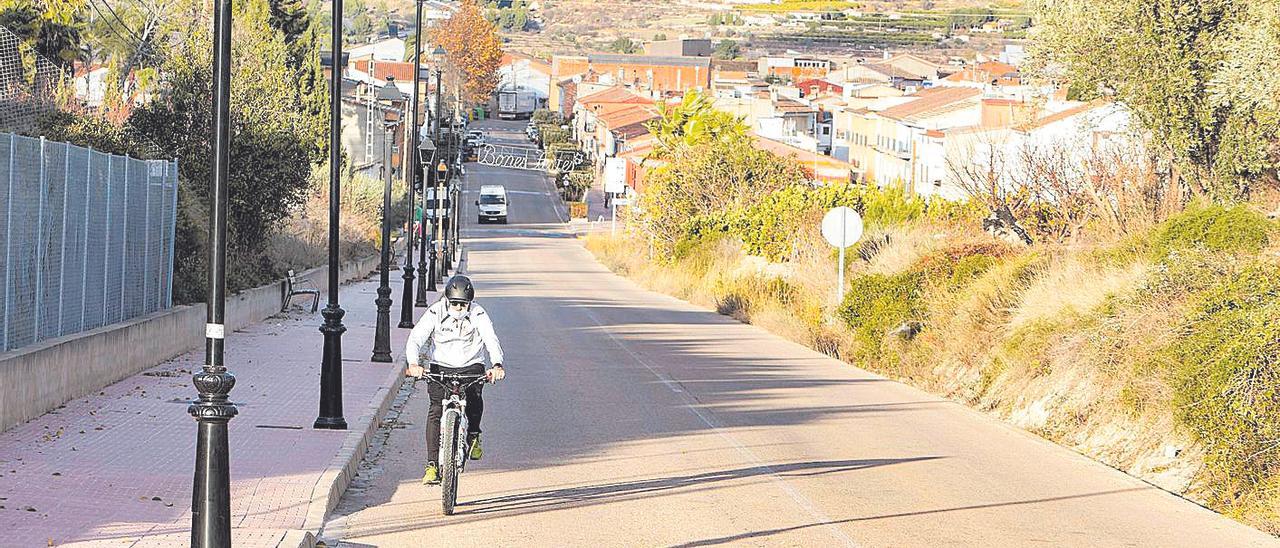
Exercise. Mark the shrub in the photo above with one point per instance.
(876, 303)
(1226, 380)
(1215, 228)
(968, 268)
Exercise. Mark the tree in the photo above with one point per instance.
(714, 177)
(1193, 72)
(474, 52)
(693, 122)
(276, 131)
(727, 49)
(54, 29)
(707, 162)
(659, 37)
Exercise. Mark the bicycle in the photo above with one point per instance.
(453, 433)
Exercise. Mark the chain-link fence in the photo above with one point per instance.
(86, 238)
(28, 84)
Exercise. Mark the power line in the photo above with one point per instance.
(136, 41)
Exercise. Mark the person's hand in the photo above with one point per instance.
(414, 371)
(496, 373)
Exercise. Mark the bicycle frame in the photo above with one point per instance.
(455, 403)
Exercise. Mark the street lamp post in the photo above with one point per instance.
(425, 278)
(382, 330)
(457, 216)
(437, 228)
(211, 486)
(406, 296)
(427, 152)
(331, 364)
(446, 253)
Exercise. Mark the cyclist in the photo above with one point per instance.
(455, 333)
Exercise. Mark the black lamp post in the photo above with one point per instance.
(211, 486)
(446, 250)
(425, 279)
(415, 122)
(382, 331)
(427, 154)
(331, 365)
(437, 228)
(457, 217)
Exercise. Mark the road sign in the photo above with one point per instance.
(842, 227)
(615, 175)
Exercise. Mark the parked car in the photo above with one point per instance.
(492, 204)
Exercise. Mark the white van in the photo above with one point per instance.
(492, 204)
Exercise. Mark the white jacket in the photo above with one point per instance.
(453, 343)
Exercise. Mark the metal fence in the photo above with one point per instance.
(86, 238)
(28, 84)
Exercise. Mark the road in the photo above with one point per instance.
(630, 418)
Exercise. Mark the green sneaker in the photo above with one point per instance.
(431, 475)
(476, 451)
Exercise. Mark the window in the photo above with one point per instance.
(491, 199)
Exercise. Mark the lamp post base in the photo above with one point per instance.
(421, 298)
(382, 333)
(406, 299)
(331, 370)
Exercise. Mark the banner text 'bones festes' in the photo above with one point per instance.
(526, 158)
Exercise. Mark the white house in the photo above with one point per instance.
(1072, 137)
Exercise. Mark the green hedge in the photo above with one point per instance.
(767, 228)
(1227, 382)
(1215, 228)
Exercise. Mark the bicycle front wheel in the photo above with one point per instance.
(449, 461)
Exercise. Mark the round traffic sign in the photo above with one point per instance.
(842, 227)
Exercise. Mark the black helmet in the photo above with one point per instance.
(459, 288)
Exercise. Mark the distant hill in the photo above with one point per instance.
(565, 26)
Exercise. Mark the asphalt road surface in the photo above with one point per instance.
(630, 418)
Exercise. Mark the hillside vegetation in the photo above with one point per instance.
(1154, 354)
(1138, 326)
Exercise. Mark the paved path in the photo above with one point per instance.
(631, 418)
(115, 469)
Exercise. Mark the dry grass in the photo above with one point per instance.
(1051, 339)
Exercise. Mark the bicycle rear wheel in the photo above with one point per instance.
(449, 461)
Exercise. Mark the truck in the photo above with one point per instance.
(516, 103)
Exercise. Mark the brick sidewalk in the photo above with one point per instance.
(115, 469)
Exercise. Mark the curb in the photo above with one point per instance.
(337, 476)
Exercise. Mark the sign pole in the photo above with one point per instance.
(840, 277)
(613, 217)
(841, 227)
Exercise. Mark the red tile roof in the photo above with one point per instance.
(616, 94)
(929, 101)
(627, 116)
(403, 72)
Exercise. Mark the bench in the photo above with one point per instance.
(295, 286)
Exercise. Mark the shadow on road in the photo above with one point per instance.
(564, 498)
(627, 490)
(769, 532)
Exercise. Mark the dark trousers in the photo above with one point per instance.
(438, 393)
